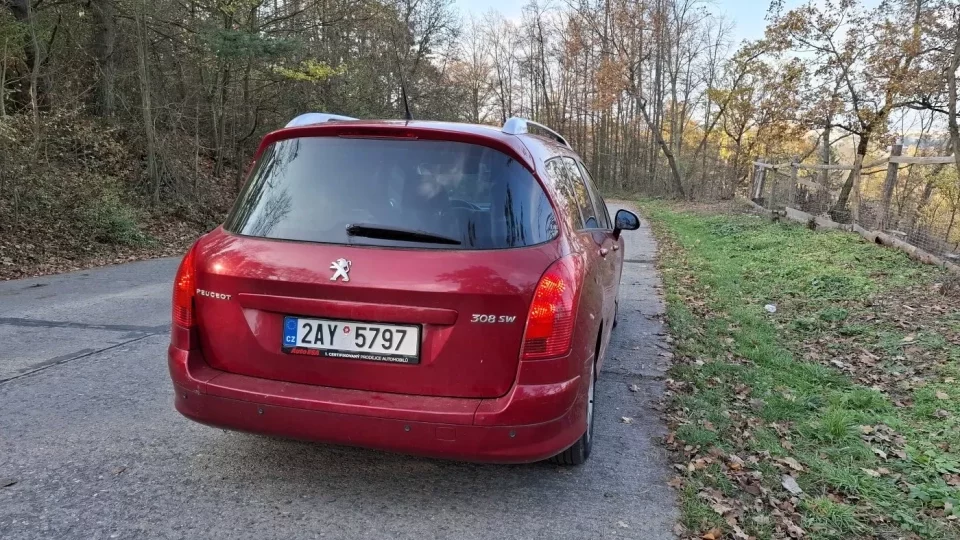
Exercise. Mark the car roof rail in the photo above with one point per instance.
(316, 118)
(518, 126)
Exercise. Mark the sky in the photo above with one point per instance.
(748, 16)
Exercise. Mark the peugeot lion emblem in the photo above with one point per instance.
(341, 269)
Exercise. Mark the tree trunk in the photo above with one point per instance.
(656, 126)
(735, 170)
(104, 38)
(3, 80)
(952, 93)
(146, 105)
(839, 212)
(952, 108)
(665, 148)
(921, 204)
(36, 94)
(32, 54)
(196, 148)
(889, 183)
(245, 106)
(953, 219)
(825, 155)
(220, 123)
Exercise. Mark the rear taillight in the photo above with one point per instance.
(184, 288)
(553, 311)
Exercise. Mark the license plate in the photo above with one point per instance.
(351, 340)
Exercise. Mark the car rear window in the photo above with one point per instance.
(315, 188)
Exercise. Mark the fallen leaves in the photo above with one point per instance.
(712, 534)
(790, 484)
(721, 508)
(794, 530)
(792, 463)
(893, 364)
(738, 533)
(894, 344)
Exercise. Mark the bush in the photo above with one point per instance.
(110, 221)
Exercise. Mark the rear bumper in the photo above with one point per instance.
(531, 423)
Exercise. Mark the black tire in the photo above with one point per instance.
(580, 451)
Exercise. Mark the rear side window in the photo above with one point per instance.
(572, 192)
(399, 193)
(603, 215)
(566, 190)
(582, 197)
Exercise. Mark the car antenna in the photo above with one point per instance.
(403, 89)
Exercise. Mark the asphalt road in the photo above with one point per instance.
(89, 435)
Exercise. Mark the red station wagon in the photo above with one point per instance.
(431, 288)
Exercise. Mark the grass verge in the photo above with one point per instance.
(814, 394)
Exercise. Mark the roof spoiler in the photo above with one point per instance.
(316, 118)
(518, 126)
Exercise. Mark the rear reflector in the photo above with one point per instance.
(549, 330)
(184, 288)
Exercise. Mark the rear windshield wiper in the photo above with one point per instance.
(382, 232)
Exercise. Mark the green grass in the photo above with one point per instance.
(766, 385)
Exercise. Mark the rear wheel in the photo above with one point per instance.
(580, 451)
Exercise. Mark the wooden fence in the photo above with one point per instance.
(885, 200)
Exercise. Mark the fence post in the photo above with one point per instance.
(794, 177)
(760, 177)
(773, 190)
(889, 183)
(855, 203)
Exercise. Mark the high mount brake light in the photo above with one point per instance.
(549, 329)
(184, 289)
(374, 133)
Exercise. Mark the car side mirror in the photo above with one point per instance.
(625, 220)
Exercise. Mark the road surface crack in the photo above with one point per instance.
(39, 323)
(61, 360)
